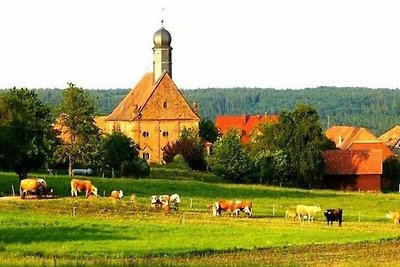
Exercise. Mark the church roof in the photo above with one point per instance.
(130, 106)
(135, 101)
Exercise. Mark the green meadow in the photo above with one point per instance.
(97, 231)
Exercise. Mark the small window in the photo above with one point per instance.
(165, 104)
(145, 134)
(146, 156)
(165, 134)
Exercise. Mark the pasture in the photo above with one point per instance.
(101, 232)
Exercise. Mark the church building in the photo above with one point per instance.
(154, 112)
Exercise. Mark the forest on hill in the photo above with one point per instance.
(375, 109)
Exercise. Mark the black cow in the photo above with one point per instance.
(333, 215)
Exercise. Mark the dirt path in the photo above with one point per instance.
(374, 254)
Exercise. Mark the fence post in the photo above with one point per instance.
(359, 216)
(191, 203)
(273, 210)
(104, 193)
(12, 187)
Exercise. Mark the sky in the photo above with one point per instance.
(216, 44)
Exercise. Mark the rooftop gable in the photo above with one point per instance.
(244, 123)
(345, 136)
(133, 102)
(391, 137)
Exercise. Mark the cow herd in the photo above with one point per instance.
(39, 188)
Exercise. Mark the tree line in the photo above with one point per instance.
(30, 136)
(375, 109)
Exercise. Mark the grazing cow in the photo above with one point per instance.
(333, 215)
(394, 215)
(245, 206)
(309, 211)
(115, 195)
(174, 201)
(82, 185)
(223, 205)
(291, 214)
(34, 186)
(159, 201)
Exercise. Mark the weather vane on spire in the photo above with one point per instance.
(162, 16)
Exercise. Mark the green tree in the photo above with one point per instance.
(391, 171)
(208, 131)
(27, 138)
(190, 146)
(298, 134)
(76, 112)
(117, 149)
(230, 160)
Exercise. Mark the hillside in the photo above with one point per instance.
(376, 109)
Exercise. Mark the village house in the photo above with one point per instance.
(358, 169)
(392, 139)
(154, 112)
(246, 124)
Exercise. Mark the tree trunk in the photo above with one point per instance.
(69, 165)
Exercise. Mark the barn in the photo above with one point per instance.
(353, 170)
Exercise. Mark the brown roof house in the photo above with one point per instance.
(355, 165)
(392, 139)
(246, 124)
(353, 170)
(154, 112)
(356, 138)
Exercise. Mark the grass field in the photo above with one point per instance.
(45, 232)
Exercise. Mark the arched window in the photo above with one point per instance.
(165, 134)
(146, 156)
(165, 104)
(146, 134)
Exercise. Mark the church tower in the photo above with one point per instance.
(162, 53)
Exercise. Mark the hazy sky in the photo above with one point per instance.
(219, 43)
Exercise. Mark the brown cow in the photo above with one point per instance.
(223, 205)
(245, 206)
(82, 185)
(34, 186)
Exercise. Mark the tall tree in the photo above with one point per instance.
(190, 146)
(231, 160)
(116, 149)
(27, 138)
(76, 113)
(298, 134)
(208, 131)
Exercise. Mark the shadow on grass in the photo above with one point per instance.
(28, 234)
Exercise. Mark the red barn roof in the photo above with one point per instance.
(244, 123)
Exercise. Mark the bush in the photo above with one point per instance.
(137, 168)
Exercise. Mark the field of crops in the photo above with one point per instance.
(67, 231)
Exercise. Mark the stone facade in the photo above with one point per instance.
(154, 112)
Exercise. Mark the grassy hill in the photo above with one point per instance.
(45, 232)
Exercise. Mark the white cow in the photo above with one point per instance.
(307, 211)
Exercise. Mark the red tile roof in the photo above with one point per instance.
(356, 138)
(245, 123)
(350, 162)
(391, 137)
(345, 136)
